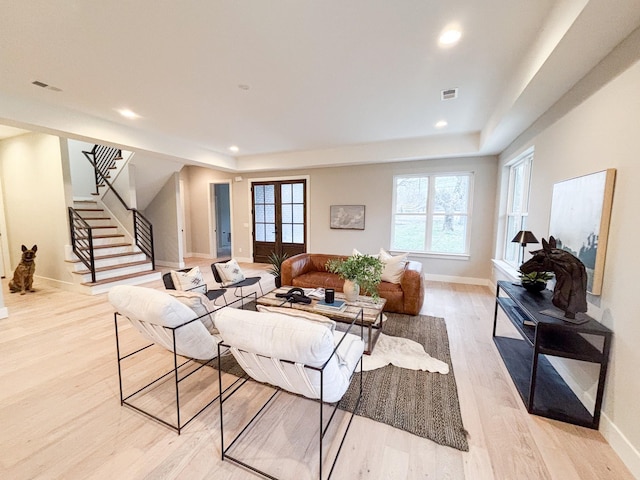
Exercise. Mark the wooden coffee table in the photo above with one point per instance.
(371, 317)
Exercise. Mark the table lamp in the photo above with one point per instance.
(523, 237)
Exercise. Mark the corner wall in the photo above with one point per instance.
(33, 182)
(583, 134)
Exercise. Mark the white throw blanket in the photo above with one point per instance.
(403, 353)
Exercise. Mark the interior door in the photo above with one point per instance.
(222, 222)
(279, 218)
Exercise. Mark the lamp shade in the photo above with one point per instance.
(523, 237)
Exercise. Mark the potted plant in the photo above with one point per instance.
(535, 281)
(275, 260)
(360, 272)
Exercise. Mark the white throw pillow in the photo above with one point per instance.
(393, 266)
(230, 272)
(190, 281)
(356, 252)
(201, 306)
(292, 312)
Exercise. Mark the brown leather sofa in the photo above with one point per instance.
(307, 270)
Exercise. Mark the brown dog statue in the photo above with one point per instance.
(23, 276)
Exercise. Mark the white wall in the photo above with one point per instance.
(83, 178)
(33, 181)
(163, 213)
(581, 135)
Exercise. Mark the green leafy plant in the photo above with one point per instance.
(275, 260)
(364, 270)
(535, 277)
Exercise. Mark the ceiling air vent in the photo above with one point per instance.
(40, 84)
(449, 94)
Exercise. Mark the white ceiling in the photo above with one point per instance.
(321, 75)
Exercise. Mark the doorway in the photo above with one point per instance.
(279, 218)
(221, 221)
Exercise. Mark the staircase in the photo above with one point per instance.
(117, 260)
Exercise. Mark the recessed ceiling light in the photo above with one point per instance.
(234, 148)
(441, 124)
(449, 37)
(243, 87)
(125, 112)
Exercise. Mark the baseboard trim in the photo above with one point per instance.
(452, 279)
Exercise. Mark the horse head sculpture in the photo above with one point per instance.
(570, 293)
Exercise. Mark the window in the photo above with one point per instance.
(432, 213)
(517, 206)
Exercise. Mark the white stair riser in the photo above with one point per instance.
(152, 277)
(109, 262)
(116, 272)
(113, 251)
(100, 222)
(88, 215)
(106, 241)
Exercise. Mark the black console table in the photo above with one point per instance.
(542, 389)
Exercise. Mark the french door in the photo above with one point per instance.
(279, 218)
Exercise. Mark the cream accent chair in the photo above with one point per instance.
(183, 325)
(298, 355)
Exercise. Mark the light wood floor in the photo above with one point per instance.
(60, 416)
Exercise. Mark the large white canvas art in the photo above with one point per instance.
(580, 213)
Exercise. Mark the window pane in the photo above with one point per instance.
(298, 213)
(451, 194)
(260, 237)
(287, 233)
(269, 194)
(448, 233)
(269, 232)
(270, 213)
(298, 193)
(287, 216)
(258, 193)
(298, 233)
(409, 232)
(286, 193)
(411, 194)
(513, 250)
(518, 188)
(259, 213)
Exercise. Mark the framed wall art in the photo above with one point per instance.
(349, 217)
(580, 213)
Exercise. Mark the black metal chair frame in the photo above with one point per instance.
(247, 282)
(212, 295)
(320, 401)
(175, 371)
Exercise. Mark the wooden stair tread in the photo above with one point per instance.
(115, 267)
(116, 279)
(110, 245)
(88, 209)
(103, 226)
(105, 235)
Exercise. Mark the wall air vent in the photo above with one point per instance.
(449, 94)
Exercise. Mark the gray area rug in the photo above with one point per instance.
(422, 403)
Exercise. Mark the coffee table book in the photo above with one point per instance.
(336, 306)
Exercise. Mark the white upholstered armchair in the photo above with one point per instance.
(183, 324)
(304, 356)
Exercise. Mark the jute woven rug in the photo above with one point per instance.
(422, 403)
